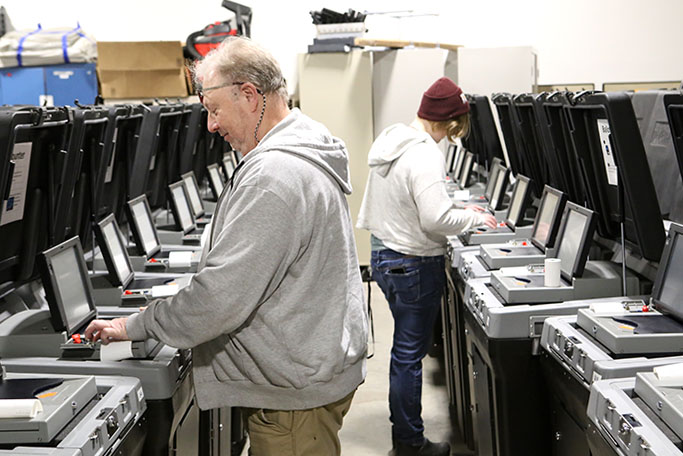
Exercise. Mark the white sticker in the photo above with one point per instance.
(141, 395)
(46, 100)
(63, 74)
(596, 377)
(152, 162)
(13, 207)
(607, 153)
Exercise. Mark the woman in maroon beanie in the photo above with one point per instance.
(409, 213)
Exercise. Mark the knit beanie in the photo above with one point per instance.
(443, 100)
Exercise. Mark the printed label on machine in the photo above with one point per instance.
(607, 153)
(13, 207)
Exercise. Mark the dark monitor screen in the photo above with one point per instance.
(483, 132)
(193, 193)
(560, 151)
(32, 172)
(574, 240)
(667, 293)
(499, 188)
(615, 171)
(182, 211)
(114, 251)
(143, 227)
(519, 196)
(67, 286)
(215, 180)
(542, 235)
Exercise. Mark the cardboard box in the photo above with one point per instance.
(142, 69)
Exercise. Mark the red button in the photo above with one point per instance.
(646, 308)
(502, 223)
(152, 260)
(128, 292)
(76, 338)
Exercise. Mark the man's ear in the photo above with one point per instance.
(251, 93)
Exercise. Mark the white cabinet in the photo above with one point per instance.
(358, 94)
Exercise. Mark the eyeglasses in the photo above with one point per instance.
(201, 91)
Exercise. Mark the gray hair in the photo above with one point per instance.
(241, 59)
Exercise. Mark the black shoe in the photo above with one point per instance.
(428, 448)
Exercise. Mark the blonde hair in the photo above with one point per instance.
(458, 127)
(241, 59)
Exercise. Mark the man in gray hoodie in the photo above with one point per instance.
(275, 314)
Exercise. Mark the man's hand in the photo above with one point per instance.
(490, 221)
(475, 208)
(107, 330)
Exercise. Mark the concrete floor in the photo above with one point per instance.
(367, 430)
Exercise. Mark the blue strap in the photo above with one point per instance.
(20, 48)
(65, 52)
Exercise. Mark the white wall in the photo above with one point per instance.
(577, 41)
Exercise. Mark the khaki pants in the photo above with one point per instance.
(311, 432)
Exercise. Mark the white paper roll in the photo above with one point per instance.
(670, 373)
(162, 291)
(180, 259)
(116, 351)
(552, 272)
(20, 408)
(607, 308)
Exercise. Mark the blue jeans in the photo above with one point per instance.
(413, 286)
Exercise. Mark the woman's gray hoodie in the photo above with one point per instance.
(275, 314)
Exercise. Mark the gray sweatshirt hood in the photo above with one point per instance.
(391, 144)
(310, 141)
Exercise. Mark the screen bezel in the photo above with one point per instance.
(229, 157)
(190, 175)
(451, 156)
(585, 243)
(496, 201)
(457, 167)
(554, 221)
(54, 300)
(212, 184)
(675, 234)
(491, 178)
(175, 209)
(137, 231)
(523, 204)
(466, 170)
(107, 254)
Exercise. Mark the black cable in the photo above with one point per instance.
(263, 111)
